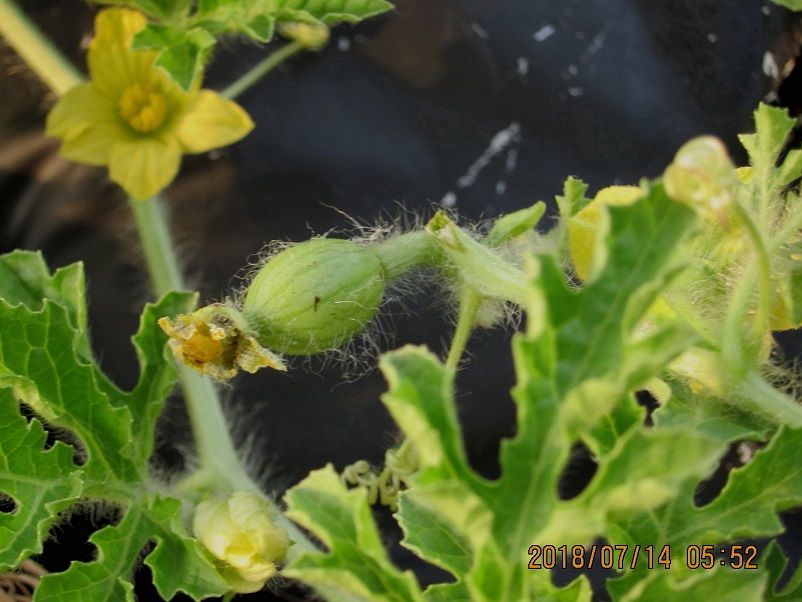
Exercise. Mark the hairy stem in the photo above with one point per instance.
(36, 50)
(151, 226)
(468, 304)
(754, 394)
(262, 68)
(402, 253)
(764, 271)
(757, 273)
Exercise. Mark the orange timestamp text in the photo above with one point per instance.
(621, 557)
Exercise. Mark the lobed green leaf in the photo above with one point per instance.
(39, 363)
(330, 12)
(746, 508)
(646, 469)
(573, 197)
(708, 415)
(38, 482)
(182, 53)
(25, 280)
(45, 356)
(776, 210)
(576, 369)
(773, 563)
(178, 562)
(716, 584)
(356, 566)
(256, 18)
(184, 33)
(46, 364)
(792, 4)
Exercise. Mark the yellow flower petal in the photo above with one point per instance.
(240, 533)
(211, 122)
(113, 64)
(72, 114)
(117, 26)
(88, 125)
(143, 166)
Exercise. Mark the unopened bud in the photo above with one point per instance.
(240, 534)
(702, 176)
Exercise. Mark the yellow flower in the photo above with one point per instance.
(214, 342)
(238, 531)
(133, 118)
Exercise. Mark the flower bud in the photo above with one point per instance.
(702, 176)
(240, 534)
(314, 296)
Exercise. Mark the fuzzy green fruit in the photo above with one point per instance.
(314, 296)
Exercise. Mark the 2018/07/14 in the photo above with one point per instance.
(615, 556)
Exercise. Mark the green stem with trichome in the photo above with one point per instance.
(761, 321)
(215, 448)
(160, 259)
(262, 68)
(757, 396)
(468, 305)
(36, 50)
(758, 272)
(400, 254)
